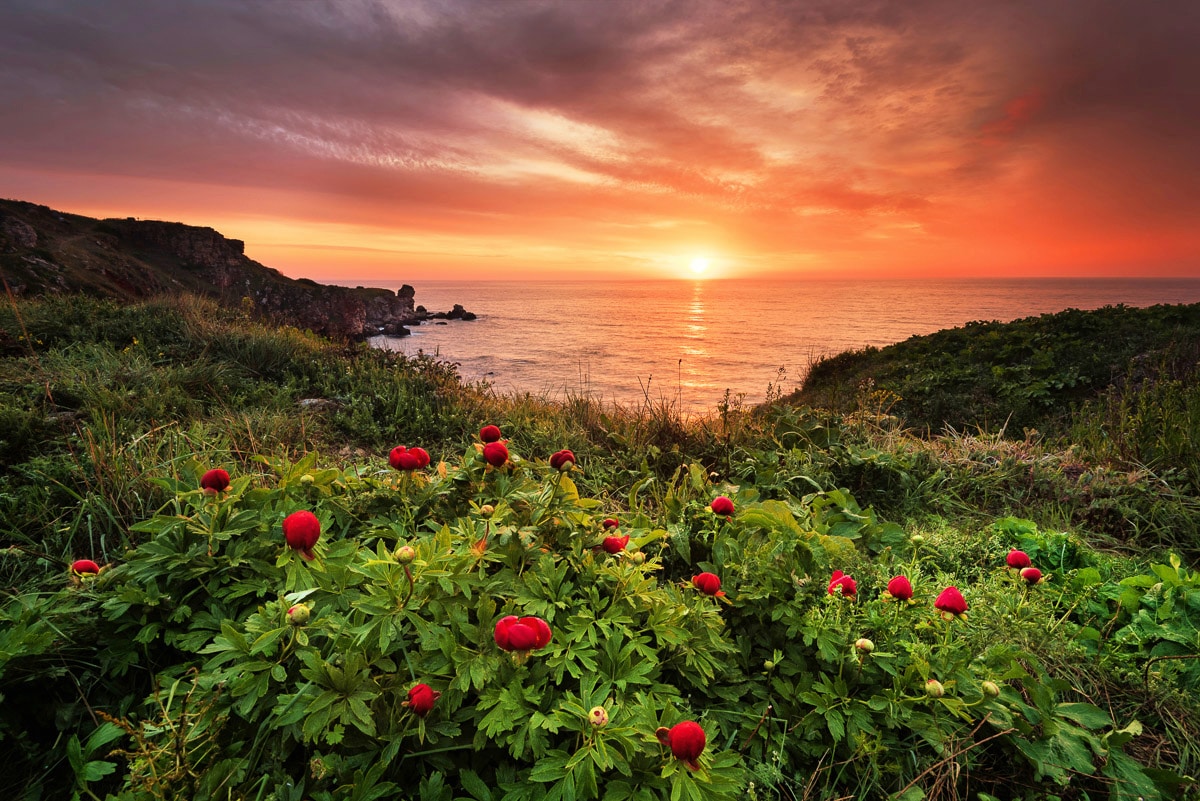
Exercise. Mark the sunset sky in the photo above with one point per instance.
(396, 140)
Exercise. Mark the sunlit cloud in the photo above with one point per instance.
(466, 138)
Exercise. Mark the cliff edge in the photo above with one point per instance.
(44, 251)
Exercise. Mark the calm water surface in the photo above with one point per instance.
(688, 342)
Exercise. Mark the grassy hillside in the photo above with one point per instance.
(185, 669)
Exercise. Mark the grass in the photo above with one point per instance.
(105, 408)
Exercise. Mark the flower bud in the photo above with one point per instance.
(299, 614)
(916, 539)
(487, 510)
(306, 479)
(769, 665)
(934, 688)
(864, 645)
(405, 554)
(990, 689)
(638, 557)
(598, 717)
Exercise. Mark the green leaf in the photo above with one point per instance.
(1086, 715)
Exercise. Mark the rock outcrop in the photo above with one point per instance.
(43, 251)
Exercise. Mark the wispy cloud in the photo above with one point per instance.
(835, 134)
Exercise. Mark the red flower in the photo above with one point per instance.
(495, 454)
(951, 603)
(422, 456)
(722, 506)
(1017, 559)
(215, 480)
(1032, 575)
(82, 567)
(708, 583)
(615, 544)
(847, 585)
(421, 699)
(610, 522)
(302, 530)
(402, 458)
(490, 434)
(521, 634)
(560, 460)
(900, 588)
(686, 741)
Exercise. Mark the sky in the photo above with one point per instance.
(389, 140)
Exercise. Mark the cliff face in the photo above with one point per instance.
(45, 251)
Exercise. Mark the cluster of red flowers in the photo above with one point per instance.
(1020, 561)
(950, 602)
(408, 459)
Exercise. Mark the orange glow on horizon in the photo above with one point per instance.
(736, 141)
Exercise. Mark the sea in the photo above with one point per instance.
(693, 345)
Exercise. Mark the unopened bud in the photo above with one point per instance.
(990, 689)
(598, 716)
(487, 510)
(638, 557)
(306, 479)
(298, 615)
(916, 539)
(934, 688)
(405, 554)
(864, 645)
(769, 665)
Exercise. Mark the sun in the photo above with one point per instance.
(699, 265)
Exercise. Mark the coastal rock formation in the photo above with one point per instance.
(43, 251)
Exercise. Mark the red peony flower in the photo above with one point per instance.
(215, 480)
(402, 458)
(1032, 575)
(1017, 559)
(722, 506)
(422, 456)
(421, 699)
(490, 434)
(951, 603)
(610, 522)
(563, 460)
(708, 583)
(82, 567)
(495, 454)
(521, 634)
(900, 588)
(615, 544)
(302, 530)
(843, 583)
(686, 741)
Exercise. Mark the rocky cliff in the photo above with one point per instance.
(46, 251)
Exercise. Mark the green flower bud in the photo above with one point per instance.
(769, 665)
(990, 689)
(916, 539)
(405, 554)
(487, 510)
(299, 614)
(306, 479)
(864, 645)
(638, 557)
(934, 688)
(598, 717)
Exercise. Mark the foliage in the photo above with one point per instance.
(178, 672)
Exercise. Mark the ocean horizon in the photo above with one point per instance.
(689, 343)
